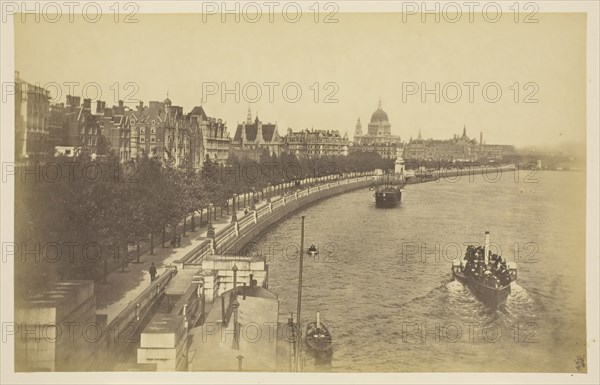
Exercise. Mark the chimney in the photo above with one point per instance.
(141, 106)
(87, 104)
(486, 247)
(99, 108)
(69, 100)
(76, 101)
(120, 103)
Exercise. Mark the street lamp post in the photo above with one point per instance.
(211, 230)
(233, 214)
(253, 207)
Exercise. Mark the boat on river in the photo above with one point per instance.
(486, 275)
(318, 337)
(389, 195)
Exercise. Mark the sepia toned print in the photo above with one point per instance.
(294, 187)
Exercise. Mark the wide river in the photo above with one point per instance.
(383, 285)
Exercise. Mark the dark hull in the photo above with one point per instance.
(489, 295)
(319, 341)
(387, 199)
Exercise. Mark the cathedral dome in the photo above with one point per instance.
(379, 115)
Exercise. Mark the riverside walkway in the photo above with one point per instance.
(123, 287)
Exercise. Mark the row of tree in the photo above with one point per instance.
(71, 214)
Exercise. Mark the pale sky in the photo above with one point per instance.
(368, 56)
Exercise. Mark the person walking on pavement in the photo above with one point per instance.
(152, 272)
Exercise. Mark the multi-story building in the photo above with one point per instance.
(147, 130)
(32, 120)
(158, 131)
(256, 135)
(316, 143)
(115, 128)
(163, 130)
(58, 127)
(378, 137)
(210, 136)
(76, 127)
(460, 148)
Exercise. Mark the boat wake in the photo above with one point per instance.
(452, 301)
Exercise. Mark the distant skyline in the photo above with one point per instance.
(362, 58)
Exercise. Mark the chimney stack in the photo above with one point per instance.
(480, 138)
(120, 103)
(87, 104)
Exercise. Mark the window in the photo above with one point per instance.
(152, 139)
(142, 139)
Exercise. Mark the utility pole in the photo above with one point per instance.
(299, 335)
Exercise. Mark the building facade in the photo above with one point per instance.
(32, 120)
(256, 135)
(379, 137)
(461, 148)
(316, 143)
(210, 136)
(115, 126)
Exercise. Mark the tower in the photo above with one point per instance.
(358, 128)
(249, 116)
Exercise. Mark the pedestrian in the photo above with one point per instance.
(152, 272)
(178, 240)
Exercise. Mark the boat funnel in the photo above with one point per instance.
(486, 247)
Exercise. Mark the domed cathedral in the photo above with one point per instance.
(379, 136)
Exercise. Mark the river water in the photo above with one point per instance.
(383, 285)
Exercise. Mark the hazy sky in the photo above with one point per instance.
(367, 56)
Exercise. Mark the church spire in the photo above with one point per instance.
(249, 116)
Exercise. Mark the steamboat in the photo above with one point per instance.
(487, 275)
(389, 195)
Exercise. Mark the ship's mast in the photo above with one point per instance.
(486, 247)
